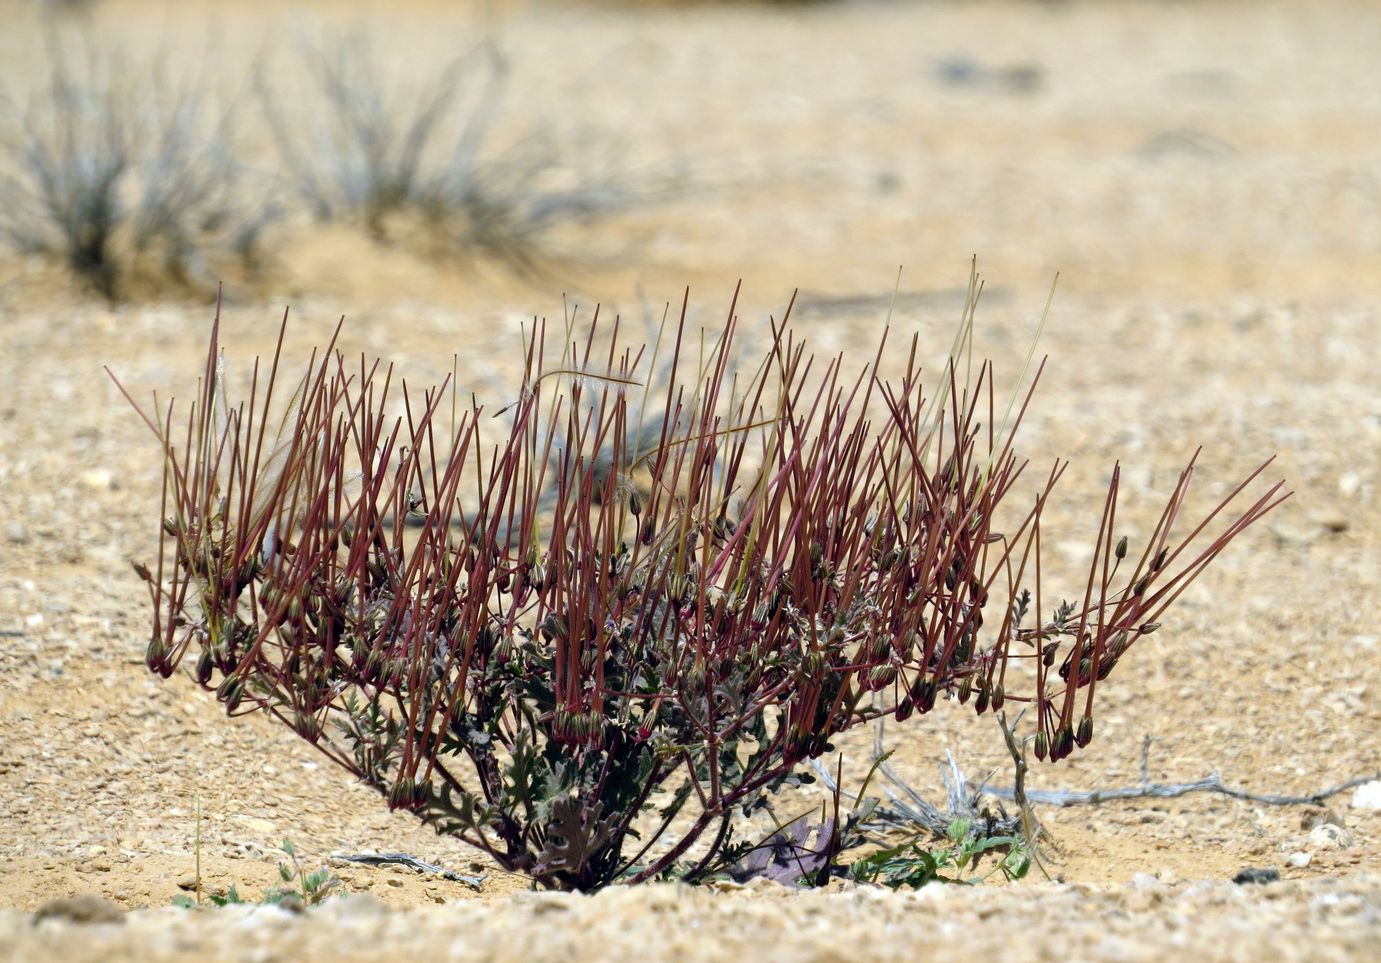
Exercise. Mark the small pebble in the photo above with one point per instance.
(1252, 874)
(1301, 860)
(1333, 522)
(100, 479)
(16, 533)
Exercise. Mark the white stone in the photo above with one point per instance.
(98, 478)
(1367, 795)
(1301, 860)
(1329, 836)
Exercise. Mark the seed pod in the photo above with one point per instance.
(230, 692)
(980, 704)
(156, 655)
(1121, 550)
(723, 528)
(879, 677)
(924, 693)
(1148, 627)
(1159, 563)
(402, 794)
(999, 697)
(1042, 745)
(503, 650)
(307, 726)
(1065, 741)
(1141, 586)
(1085, 734)
(904, 709)
(909, 646)
(635, 503)
(204, 667)
(554, 627)
(965, 689)
(878, 649)
(484, 639)
(373, 666)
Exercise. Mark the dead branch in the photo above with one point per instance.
(1159, 790)
(403, 859)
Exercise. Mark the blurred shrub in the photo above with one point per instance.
(395, 159)
(117, 173)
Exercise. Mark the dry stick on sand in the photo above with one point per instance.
(403, 859)
(1159, 790)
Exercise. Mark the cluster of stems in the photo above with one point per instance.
(556, 630)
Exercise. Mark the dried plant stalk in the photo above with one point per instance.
(534, 642)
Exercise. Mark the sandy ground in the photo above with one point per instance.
(1207, 179)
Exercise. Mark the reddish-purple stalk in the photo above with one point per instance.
(773, 568)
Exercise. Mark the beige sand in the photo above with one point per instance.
(1204, 175)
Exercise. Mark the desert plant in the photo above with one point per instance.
(302, 888)
(422, 160)
(912, 864)
(812, 552)
(111, 171)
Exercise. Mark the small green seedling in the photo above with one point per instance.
(911, 864)
(311, 888)
(301, 889)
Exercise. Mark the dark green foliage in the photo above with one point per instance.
(914, 865)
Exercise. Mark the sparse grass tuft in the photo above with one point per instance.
(422, 163)
(115, 172)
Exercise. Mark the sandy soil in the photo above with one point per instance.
(1206, 177)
